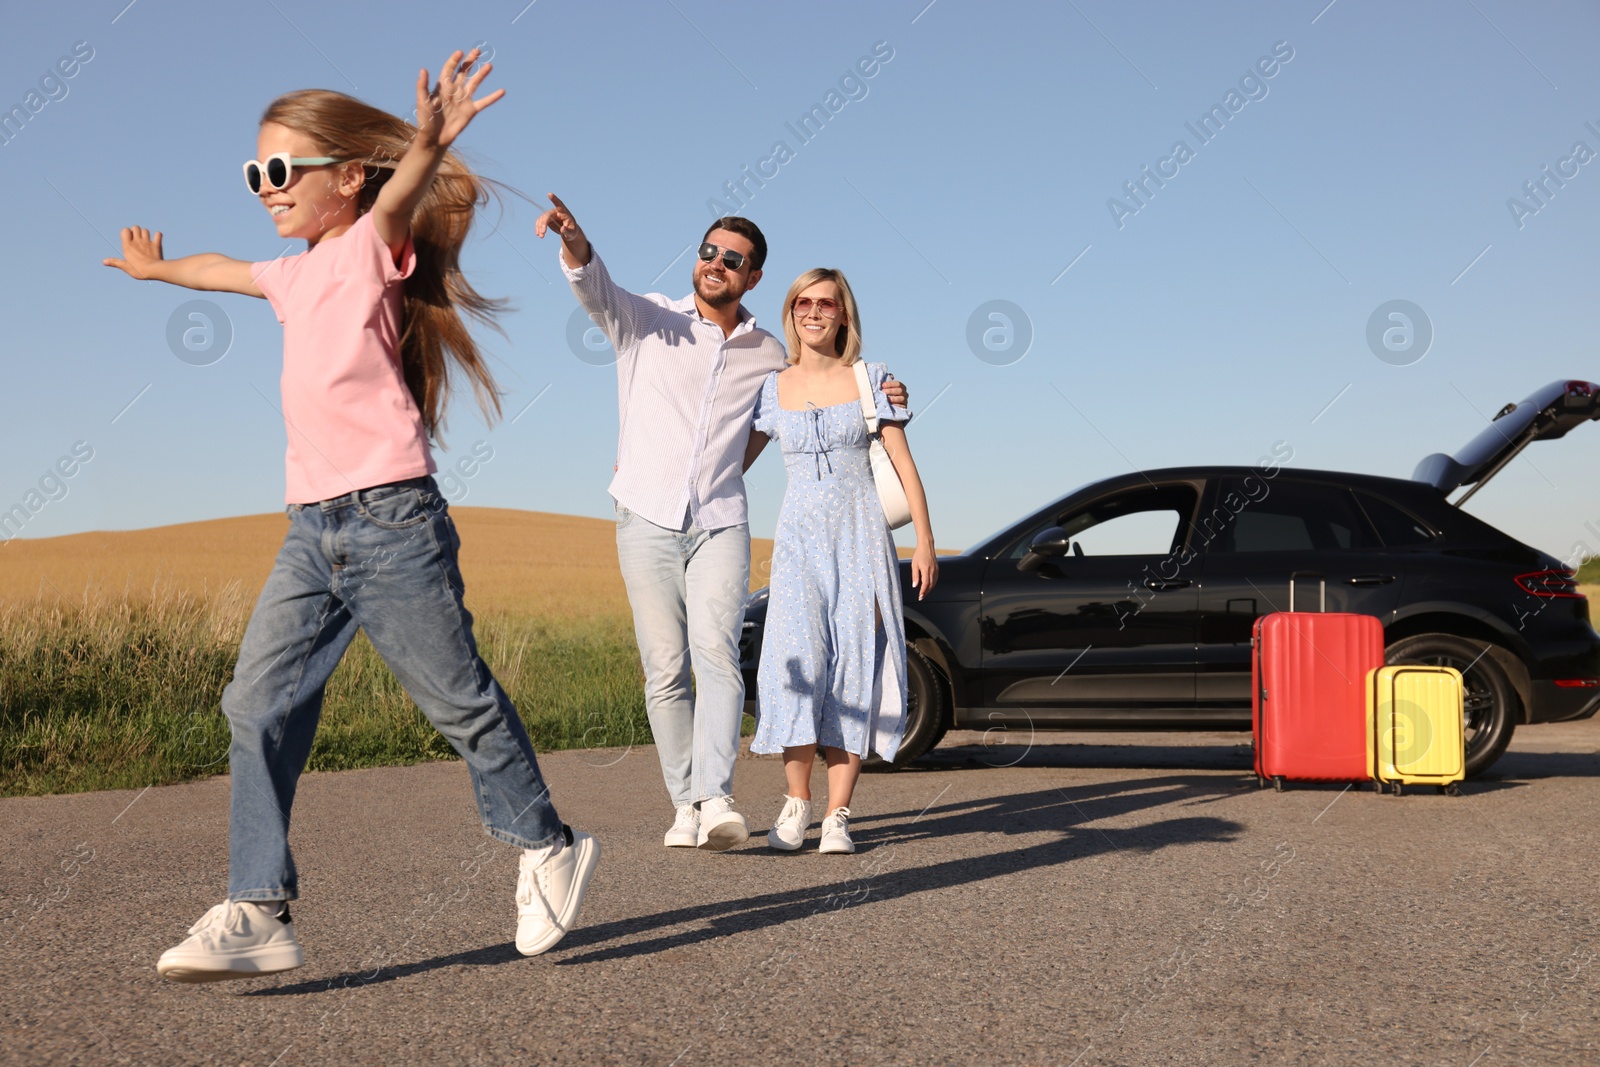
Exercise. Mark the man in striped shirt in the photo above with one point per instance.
(688, 373)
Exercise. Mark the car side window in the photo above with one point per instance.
(1398, 527)
(1138, 533)
(1144, 522)
(1286, 516)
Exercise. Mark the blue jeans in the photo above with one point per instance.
(687, 589)
(382, 560)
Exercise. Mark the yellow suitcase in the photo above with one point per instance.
(1415, 727)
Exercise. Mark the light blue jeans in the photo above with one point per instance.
(687, 589)
(382, 560)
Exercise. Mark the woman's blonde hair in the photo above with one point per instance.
(434, 339)
(847, 342)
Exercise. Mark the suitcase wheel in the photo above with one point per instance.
(1377, 787)
(1277, 784)
(1396, 788)
(1261, 783)
(1451, 790)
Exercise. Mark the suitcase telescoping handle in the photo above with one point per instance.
(1322, 588)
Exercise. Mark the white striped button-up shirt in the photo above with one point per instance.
(685, 395)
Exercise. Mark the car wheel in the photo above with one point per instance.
(927, 714)
(1490, 698)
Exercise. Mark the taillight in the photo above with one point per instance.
(1561, 583)
(1578, 683)
(1582, 398)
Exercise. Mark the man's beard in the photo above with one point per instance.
(717, 300)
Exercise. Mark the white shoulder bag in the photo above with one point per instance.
(891, 494)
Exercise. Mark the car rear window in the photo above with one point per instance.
(1289, 517)
(1397, 526)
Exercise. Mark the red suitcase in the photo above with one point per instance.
(1308, 694)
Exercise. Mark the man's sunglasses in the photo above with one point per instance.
(278, 170)
(730, 259)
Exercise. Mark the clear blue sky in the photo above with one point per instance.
(977, 163)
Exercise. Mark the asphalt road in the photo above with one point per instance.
(1116, 899)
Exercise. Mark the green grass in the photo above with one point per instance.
(1589, 571)
(124, 694)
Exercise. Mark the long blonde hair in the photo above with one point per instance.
(847, 342)
(434, 340)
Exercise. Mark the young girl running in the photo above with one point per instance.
(832, 669)
(373, 328)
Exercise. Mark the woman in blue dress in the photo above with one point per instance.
(832, 672)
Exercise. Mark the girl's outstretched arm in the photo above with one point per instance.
(924, 564)
(141, 257)
(441, 116)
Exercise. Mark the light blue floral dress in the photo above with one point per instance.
(828, 674)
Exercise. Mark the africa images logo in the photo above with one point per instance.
(1538, 192)
(52, 86)
(852, 86)
(1252, 87)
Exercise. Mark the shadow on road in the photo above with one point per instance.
(1517, 770)
(1063, 811)
(487, 955)
(1068, 754)
(1514, 767)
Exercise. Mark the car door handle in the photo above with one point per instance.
(1372, 579)
(1158, 583)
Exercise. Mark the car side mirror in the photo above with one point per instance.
(1049, 544)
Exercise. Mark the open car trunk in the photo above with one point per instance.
(1544, 416)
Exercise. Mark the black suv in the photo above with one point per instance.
(1128, 604)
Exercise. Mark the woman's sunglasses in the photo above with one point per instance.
(825, 307)
(730, 259)
(278, 170)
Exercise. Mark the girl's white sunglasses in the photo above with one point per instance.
(278, 170)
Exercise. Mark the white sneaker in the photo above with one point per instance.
(721, 827)
(235, 939)
(685, 832)
(549, 894)
(788, 831)
(836, 832)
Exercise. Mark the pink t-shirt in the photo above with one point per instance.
(352, 422)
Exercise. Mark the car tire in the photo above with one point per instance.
(1491, 699)
(927, 714)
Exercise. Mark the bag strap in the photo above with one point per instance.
(869, 407)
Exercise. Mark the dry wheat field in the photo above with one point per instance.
(527, 563)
